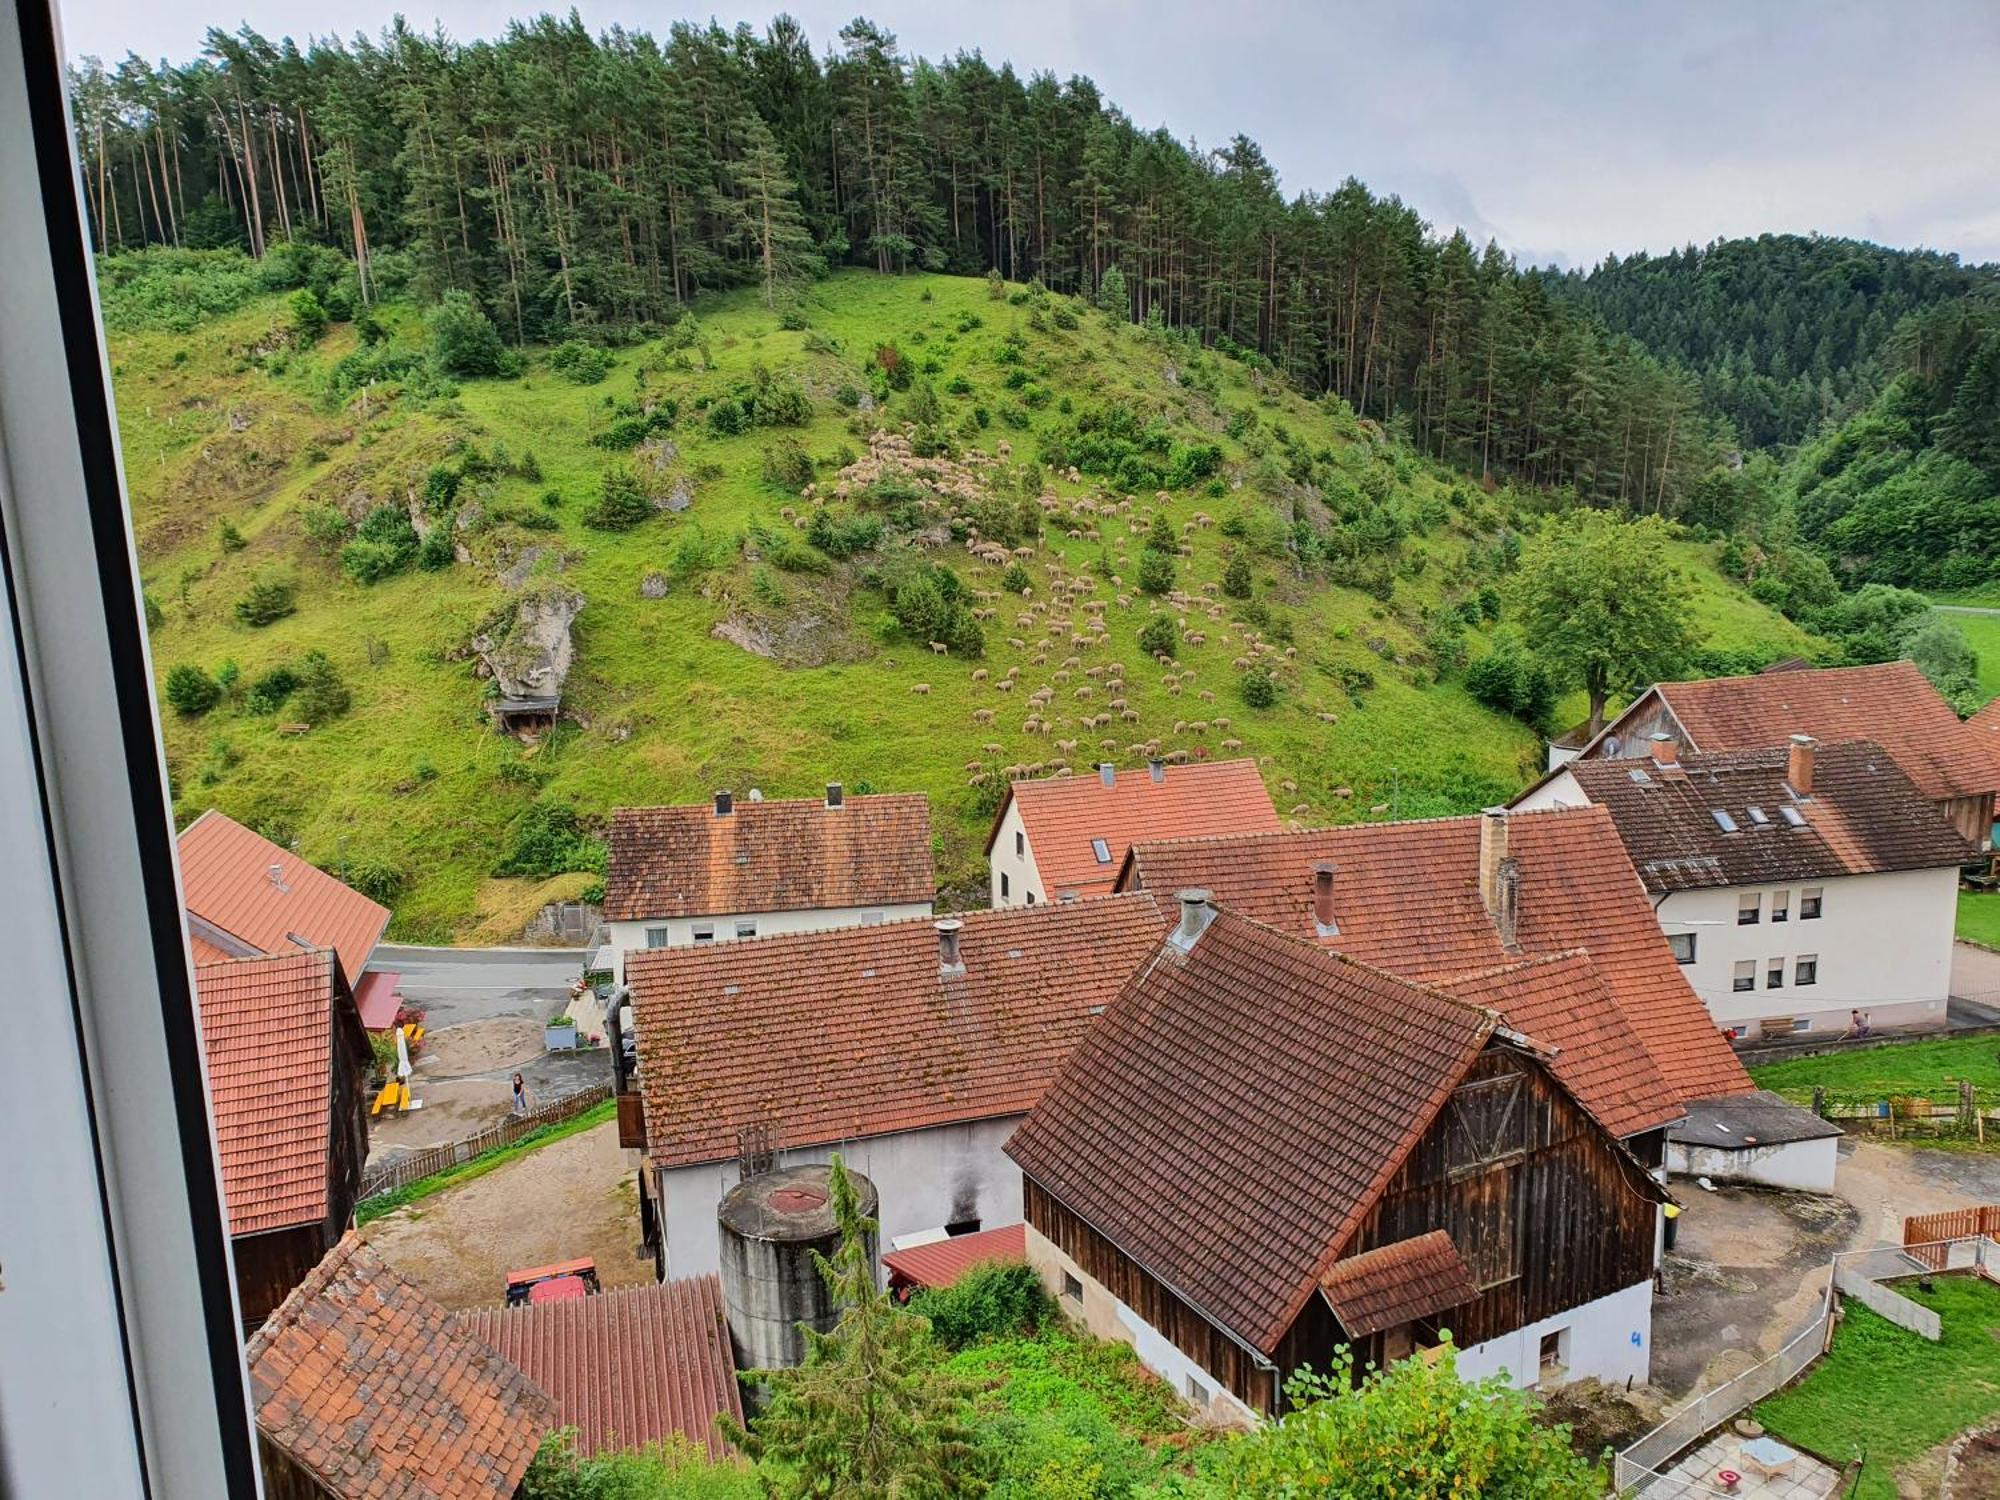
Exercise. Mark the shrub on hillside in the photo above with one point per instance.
(787, 464)
(375, 880)
(324, 526)
(1236, 576)
(268, 600)
(308, 315)
(321, 694)
(845, 536)
(728, 418)
(551, 840)
(999, 1300)
(1259, 689)
(781, 403)
(463, 341)
(384, 544)
(269, 692)
(585, 364)
(1156, 572)
(228, 537)
(621, 503)
(1016, 579)
(1159, 638)
(931, 603)
(1514, 680)
(191, 691)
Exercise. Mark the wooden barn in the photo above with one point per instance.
(287, 1076)
(1344, 1157)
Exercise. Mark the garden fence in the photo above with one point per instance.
(420, 1164)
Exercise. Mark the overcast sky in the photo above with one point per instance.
(1565, 129)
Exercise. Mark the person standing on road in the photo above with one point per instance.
(520, 1095)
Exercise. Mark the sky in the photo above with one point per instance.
(1564, 129)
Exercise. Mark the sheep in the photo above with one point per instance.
(1085, 691)
(1288, 786)
(974, 767)
(979, 674)
(920, 687)
(1012, 673)
(1232, 744)
(1004, 685)
(1206, 696)
(991, 749)
(982, 716)
(939, 648)
(1222, 724)
(1326, 718)
(1017, 643)
(1198, 726)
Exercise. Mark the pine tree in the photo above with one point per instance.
(767, 209)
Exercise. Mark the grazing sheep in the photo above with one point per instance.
(1017, 643)
(1198, 726)
(1085, 691)
(974, 767)
(920, 687)
(1327, 718)
(979, 674)
(1004, 685)
(1012, 673)
(1221, 724)
(982, 716)
(1288, 786)
(1129, 715)
(1206, 696)
(1232, 744)
(939, 648)
(991, 749)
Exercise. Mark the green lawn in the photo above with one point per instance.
(1888, 1396)
(1929, 1068)
(1982, 633)
(1979, 917)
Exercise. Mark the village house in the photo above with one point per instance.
(1891, 703)
(719, 871)
(1342, 1157)
(913, 1048)
(1063, 839)
(364, 1388)
(287, 1066)
(246, 895)
(629, 1368)
(1795, 886)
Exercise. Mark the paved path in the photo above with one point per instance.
(1975, 975)
(478, 984)
(1964, 609)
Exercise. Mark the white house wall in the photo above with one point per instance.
(1802, 1166)
(1610, 1338)
(628, 936)
(924, 1178)
(1023, 880)
(1883, 943)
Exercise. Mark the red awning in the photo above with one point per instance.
(376, 998)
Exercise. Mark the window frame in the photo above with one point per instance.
(1774, 973)
(1743, 978)
(1805, 970)
(1781, 906)
(702, 932)
(746, 927)
(1812, 903)
(1674, 939)
(659, 937)
(1072, 1287)
(1749, 908)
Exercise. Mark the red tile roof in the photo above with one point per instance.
(1891, 703)
(1062, 816)
(267, 1031)
(1863, 817)
(227, 883)
(1414, 1278)
(1406, 898)
(768, 856)
(1563, 1002)
(829, 1036)
(376, 1391)
(942, 1262)
(1234, 1115)
(628, 1368)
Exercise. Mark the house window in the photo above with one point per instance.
(1774, 974)
(961, 1226)
(1745, 977)
(1781, 906)
(1031, 898)
(1006, 886)
(1020, 843)
(1746, 910)
(1552, 1351)
(704, 932)
(1736, 1033)
(1197, 1392)
(1806, 969)
(1101, 851)
(1802, 1023)
(1809, 903)
(657, 937)
(746, 927)
(1682, 946)
(1072, 1288)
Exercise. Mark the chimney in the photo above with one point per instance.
(1157, 768)
(1107, 773)
(1666, 750)
(1323, 899)
(725, 803)
(1506, 916)
(276, 875)
(1196, 914)
(835, 795)
(1799, 765)
(948, 960)
(1492, 853)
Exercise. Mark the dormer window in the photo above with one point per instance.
(1101, 850)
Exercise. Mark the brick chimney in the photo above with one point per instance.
(1107, 773)
(1323, 898)
(1492, 851)
(949, 961)
(836, 796)
(1799, 765)
(725, 804)
(1666, 749)
(1196, 914)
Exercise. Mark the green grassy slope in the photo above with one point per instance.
(414, 778)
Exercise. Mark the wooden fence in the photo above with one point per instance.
(1924, 1233)
(420, 1164)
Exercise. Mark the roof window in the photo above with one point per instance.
(1723, 821)
(1102, 850)
(1792, 816)
(1759, 817)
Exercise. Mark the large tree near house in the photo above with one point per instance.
(1601, 601)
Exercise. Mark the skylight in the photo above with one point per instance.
(1641, 778)
(1723, 821)
(1792, 816)
(1102, 850)
(1759, 816)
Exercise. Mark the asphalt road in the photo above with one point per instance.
(455, 985)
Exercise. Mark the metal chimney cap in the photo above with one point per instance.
(1804, 740)
(948, 924)
(1107, 773)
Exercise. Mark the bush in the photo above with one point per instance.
(462, 339)
(585, 364)
(378, 882)
(324, 526)
(191, 691)
(728, 418)
(551, 840)
(308, 315)
(228, 537)
(931, 603)
(1156, 572)
(437, 551)
(1016, 579)
(1236, 576)
(268, 693)
(1160, 638)
(384, 544)
(621, 502)
(1258, 688)
(787, 464)
(441, 488)
(843, 538)
(321, 695)
(782, 403)
(1513, 680)
(1000, 1300)
(268, 601)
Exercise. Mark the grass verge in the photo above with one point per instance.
(1887, 1396)
(371, 1209)
(1979, 917)
(1928, 1068)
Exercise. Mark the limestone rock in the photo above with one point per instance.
(530, 655)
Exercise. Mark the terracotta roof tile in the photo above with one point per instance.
(1233, 1116)
(829, 1036)
(377, 1391)
(227, 882)
(627, 1368)
(267, 1036)
(1891, 703)
(1064, 815)
(1406, 897)
(941, 1262)
(768, 856)
(1863, 817)
(1414, 1278)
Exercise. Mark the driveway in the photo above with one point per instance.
(1975, 984)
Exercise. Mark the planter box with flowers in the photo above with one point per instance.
(559, 1034)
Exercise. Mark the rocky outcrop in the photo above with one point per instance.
(530, 654)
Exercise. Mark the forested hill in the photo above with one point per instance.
(1785, 331)
(579, 186)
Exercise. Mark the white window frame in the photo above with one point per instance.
(746, 927)
(1781, 906)
(1805, 970)
(1774, 966)
(702, 932)
(1749, 909)
(1743, 979)
(1815, 896)
(659, 937)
